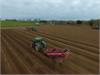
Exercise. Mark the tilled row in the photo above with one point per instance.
(84, 62)
(73, 34)
(87, 53)
(40, 56)
(79, 44)
(7, 64)
(23, 41)
(27, 56)
(14, 57)
(84, 48)
(66, 65)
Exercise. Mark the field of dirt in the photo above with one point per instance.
(18, 57)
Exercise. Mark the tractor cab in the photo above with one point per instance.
(38, 43)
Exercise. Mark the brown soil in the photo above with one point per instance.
(18, 57)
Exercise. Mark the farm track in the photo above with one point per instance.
(21, 44)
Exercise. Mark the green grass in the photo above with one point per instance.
(16, 23)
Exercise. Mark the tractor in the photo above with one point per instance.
(56, 54)
(38, 44)
(31, 29)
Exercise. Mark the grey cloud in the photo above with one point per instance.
(51, 9)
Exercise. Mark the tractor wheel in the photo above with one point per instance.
(37, 49)
(33, 46)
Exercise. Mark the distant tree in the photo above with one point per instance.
(68, 22)
(43, 21)
(14, 20)
(6, 19)
(10, 20)
(79, 22)
(91, 22)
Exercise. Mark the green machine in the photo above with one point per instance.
(38, 43)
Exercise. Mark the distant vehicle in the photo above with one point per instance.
(37, 23)
(56, 54)
(34, 29)
(97, 26)
(31, 29)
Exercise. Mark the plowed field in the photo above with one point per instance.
(18, 57)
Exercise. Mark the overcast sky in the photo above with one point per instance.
(50, 9)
